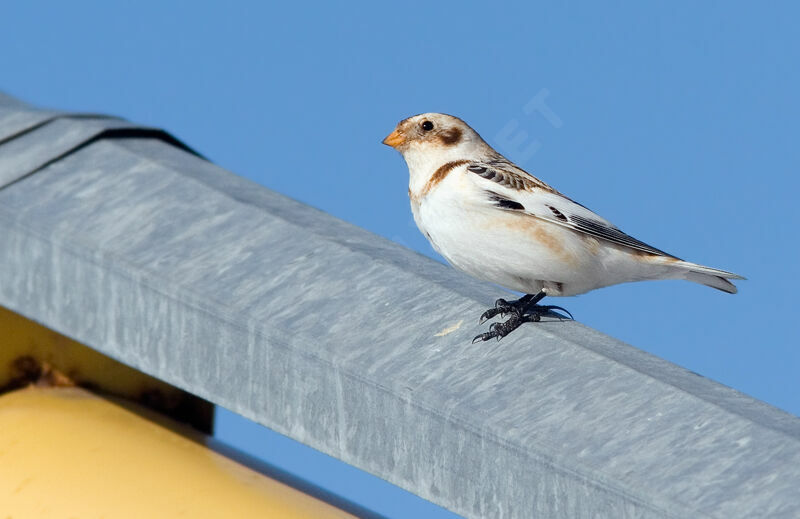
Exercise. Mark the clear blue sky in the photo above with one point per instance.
(677, 121)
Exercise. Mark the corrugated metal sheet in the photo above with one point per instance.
(333, 336)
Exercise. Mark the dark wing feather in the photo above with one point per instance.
(507, 175)
(504, 202)
(524, 192)
(612, 234)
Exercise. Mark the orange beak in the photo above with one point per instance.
(394, 139)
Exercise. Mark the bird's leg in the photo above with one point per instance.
(523, 310)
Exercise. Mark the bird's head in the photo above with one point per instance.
(435, 135)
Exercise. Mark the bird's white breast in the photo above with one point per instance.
(499, 246)
(510, 248)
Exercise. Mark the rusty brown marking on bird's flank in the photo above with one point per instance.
(554, 244)
(592, 244)
(537, 230)
(450, 136)
(440, 175)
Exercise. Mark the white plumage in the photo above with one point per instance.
(496, 222)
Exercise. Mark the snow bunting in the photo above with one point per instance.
(497, 222)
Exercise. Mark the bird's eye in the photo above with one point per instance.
(427, 126)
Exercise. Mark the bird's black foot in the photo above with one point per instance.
(500, 330)
(523, 310)
(503, 307)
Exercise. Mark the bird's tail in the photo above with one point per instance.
(708, 276)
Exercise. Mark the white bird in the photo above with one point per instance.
(493, 220)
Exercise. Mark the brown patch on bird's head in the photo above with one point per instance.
(430, 129)
(450, 136)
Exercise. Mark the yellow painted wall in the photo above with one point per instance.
(67, 453)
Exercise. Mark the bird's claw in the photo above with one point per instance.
(501, 308)
(482, 337)
(550, 308)
(500, 330)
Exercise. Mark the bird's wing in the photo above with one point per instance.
(510, 188)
